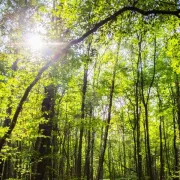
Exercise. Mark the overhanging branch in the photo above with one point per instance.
(116, 14)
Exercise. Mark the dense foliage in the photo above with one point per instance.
(90, 89)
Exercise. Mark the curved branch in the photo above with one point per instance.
(63, 52)
(119, 12)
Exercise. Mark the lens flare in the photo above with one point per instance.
(35, 42)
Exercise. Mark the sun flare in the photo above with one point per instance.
(35, 42)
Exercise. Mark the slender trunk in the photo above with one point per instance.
(176, 162)
(104, 144)
(101, 158)
(135, 150)
(145, 100)
(166, 150)
(146, 153)
(139, 156)
(88, 165)
(161, 151)
(54, 153)
(178, 101)
(109, 159)
(137, 118)
(176, 147)
(68, 156)
(101, 150)
(92, 155)
(162, 176)
(79, 159)
(149, 167)
(76, 152)
(62, 155)
(124, 146)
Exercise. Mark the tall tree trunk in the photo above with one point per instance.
(42, 145)
(137, 116)
(176, 148)
(110, 160)
(104, 144)
(87, 166)
(162, 175)
(68, 155)
(145, 101)
(149, 160)
(176, 161)
(84, 88)
(166, 150)
(124, 145)
(76, 152)
(176, 124)
(178, 101)
(62, 156)
(87, 159)
(92, 155)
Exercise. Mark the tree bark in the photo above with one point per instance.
(42, 145)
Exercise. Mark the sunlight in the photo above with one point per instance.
(35, 42)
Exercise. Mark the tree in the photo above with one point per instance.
(81, 112)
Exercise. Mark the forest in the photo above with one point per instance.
(89, 90)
